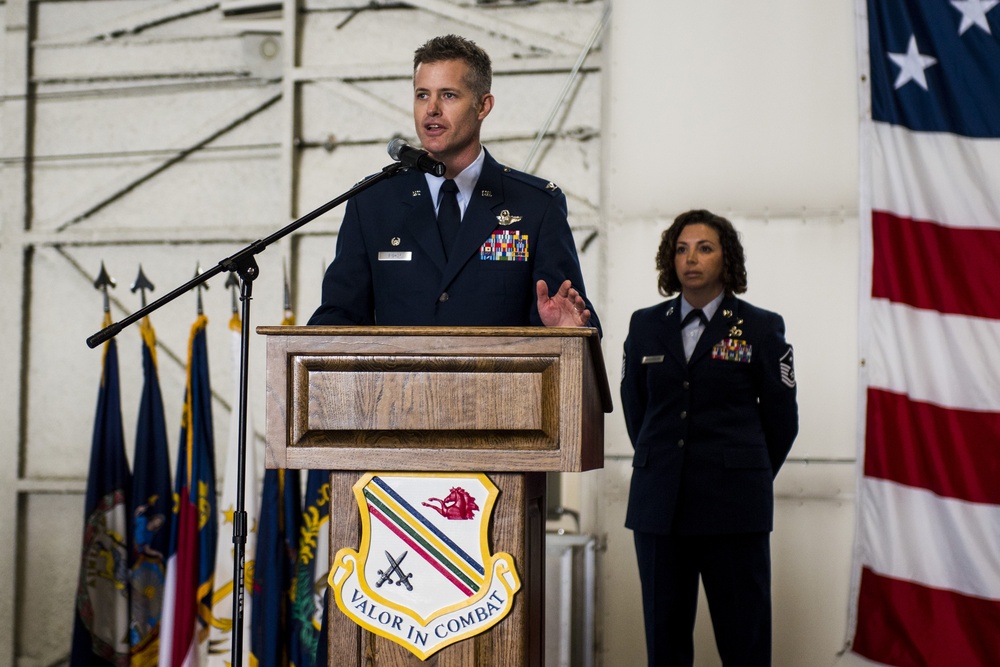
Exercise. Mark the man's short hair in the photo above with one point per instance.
(453, 47)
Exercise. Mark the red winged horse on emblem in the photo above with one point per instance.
(459, 504)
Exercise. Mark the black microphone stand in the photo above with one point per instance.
(244, 264)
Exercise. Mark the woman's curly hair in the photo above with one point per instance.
(734, 270)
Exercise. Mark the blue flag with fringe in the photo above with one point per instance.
(100, 630)
(194, 532)
(151, 510)
(271, 625)
(312, 567)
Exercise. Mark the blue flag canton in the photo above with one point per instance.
(935, 65)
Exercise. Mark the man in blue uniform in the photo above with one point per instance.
(708, 392)
(483, 246)
(493, 249)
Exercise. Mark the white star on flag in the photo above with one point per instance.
(911, 65)
(974, 13)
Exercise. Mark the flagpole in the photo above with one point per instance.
(245, 266)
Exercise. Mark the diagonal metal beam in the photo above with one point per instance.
(491, 23)
(347, 93)
(177, 156)
(133, 24)
(571, 81)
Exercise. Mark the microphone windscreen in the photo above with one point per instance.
(396, 147)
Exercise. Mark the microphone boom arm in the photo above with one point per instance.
(243, 261)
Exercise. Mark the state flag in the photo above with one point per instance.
(100, 628)
(312, 568)
(271, 630)
(194, 532)
(151, 510)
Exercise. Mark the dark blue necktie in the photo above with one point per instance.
(692, 314)
(449, 215)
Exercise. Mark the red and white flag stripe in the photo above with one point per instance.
(914, 165)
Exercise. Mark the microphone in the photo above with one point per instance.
(400, 151)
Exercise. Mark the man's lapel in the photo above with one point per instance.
(417, 210)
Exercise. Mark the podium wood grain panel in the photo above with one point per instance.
(440, 393)
(435, 398)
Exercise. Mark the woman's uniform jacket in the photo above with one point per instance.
(709, 434)
(390, 267)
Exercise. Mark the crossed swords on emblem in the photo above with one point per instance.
(385, 577)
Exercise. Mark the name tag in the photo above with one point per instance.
(653, 359)
(401, 256)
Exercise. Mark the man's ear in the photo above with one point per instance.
(485, 106)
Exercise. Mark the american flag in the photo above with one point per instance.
(927, 561)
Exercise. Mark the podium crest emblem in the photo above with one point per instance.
(423, 575)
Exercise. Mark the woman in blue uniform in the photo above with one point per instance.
(708, 391)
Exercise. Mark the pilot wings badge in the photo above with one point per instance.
(423, 576)
(505, 218)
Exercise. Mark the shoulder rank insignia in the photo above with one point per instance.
(505, 218)
(786, 364)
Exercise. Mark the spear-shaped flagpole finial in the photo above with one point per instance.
(198, 288)
(103, 282)
(233, 283)
(142, 284)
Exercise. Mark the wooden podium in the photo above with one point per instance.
(513, 402)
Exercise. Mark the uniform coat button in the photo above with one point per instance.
(680, 443)
(443, 297)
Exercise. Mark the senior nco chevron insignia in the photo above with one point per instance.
(423, 575)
